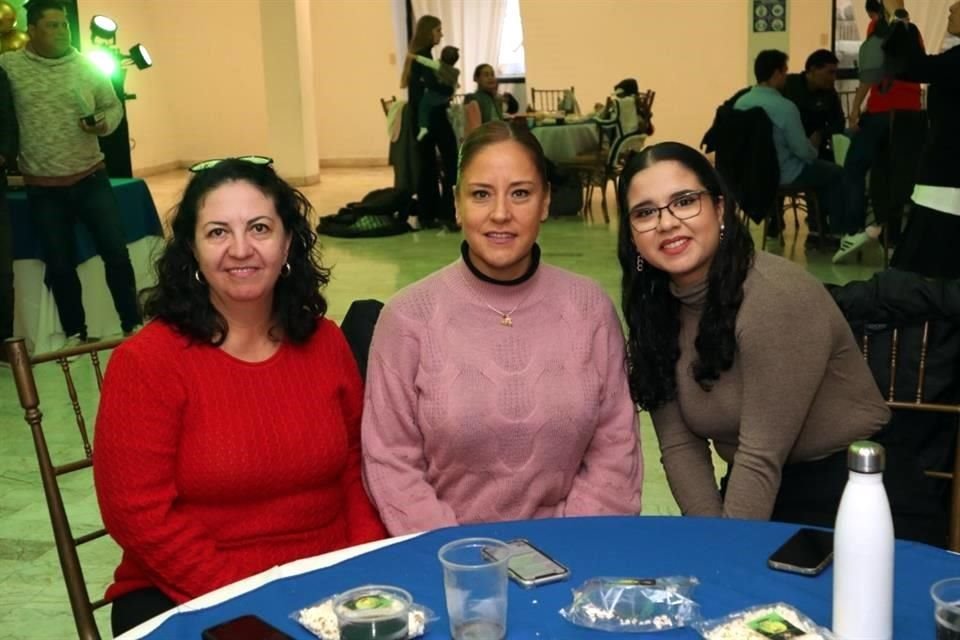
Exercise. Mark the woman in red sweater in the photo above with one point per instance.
(228, 434)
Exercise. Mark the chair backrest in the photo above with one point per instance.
(916, 373)
(386, 103)
(548, 99)
(23, 373)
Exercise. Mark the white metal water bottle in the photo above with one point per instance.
(863, 550)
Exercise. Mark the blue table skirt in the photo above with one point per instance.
(137, 210)
(728, 556)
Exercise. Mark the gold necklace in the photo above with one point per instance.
(505, 318)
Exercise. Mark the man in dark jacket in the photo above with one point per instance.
(8, 155)
(817, 99)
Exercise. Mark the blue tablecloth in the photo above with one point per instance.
(728, 556)
(136, 208)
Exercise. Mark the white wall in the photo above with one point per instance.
(690, 51)
(355, 66)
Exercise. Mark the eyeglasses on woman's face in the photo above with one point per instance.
(646, 217)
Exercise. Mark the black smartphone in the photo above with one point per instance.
(245, 628)
(807, 552)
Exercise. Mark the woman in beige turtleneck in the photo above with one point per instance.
(746, 351)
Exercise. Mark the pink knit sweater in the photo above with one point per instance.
(466, 420)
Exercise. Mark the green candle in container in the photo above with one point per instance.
(373, 612)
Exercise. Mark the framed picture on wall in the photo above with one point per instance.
(769, 15)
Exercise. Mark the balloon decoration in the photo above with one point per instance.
(10, 38)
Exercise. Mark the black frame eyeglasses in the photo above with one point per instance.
(203, 165)
(687, 205)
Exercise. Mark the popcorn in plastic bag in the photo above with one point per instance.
(321, 620)
(633, 604)
(778, 621)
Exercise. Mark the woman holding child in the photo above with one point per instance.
(434, 183)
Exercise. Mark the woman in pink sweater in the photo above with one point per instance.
(496, 387)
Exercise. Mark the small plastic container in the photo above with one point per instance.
(373, 612)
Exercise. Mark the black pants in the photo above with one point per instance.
(137, 607)
(6, 263)
(436, 180)
(54, 211)
(810, 494)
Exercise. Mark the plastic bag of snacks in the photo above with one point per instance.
(372, 611)
(634, 604)
(777, 621)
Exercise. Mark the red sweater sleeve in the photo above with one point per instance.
(135, 445)
(363, 521)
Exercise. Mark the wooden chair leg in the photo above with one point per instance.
(603, 200)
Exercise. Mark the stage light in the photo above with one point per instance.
(104, 60)
(104, 28)
(140, 56)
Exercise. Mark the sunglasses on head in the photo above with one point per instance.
(262, 161)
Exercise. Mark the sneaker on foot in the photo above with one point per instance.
(850, 245)
(422, 133)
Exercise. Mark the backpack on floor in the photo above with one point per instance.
(380, 213)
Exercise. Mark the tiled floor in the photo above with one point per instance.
(33, 600)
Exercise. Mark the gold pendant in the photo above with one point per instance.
(506, 321)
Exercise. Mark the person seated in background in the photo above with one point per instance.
(439, 93)
(496, 386)
(816, 97)
(796, 152)
(483, 105)
(869, 136)
(745, 351)
(228, 434)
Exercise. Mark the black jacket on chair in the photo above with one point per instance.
(919, 441)
(747, 159)
(357, 327)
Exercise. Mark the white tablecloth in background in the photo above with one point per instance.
(564, 142)
(35, 312)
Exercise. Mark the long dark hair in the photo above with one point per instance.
(651, 311)
(422, 39)
(181, 299)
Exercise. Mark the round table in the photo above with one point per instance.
(563, 142)
(727, 556)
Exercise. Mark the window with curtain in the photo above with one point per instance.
(486, 31)
(510, 61)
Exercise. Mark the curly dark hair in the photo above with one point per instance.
(651, 311)
(180, 299)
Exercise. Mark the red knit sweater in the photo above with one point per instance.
(209, 469)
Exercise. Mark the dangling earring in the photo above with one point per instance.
(285, 270)
(721, 231)
(198, 277)
(639, 263)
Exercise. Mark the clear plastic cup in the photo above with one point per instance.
(373, 612)
(475, 583)
(946, 608)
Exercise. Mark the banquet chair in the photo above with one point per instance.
(547, 99)
(70, 362)
(386, 103)
(894, 371)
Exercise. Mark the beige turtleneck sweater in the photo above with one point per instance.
(798, 391)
